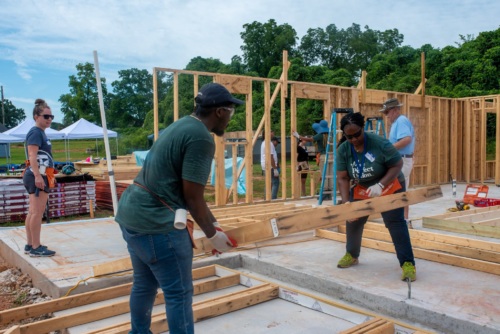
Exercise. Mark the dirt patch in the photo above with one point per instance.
(16, 289)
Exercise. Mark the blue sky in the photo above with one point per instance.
(42, 41)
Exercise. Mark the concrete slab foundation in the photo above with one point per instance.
(445, 299)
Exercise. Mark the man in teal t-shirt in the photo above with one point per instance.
(173, 178)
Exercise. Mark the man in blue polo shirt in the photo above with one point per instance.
(402, 136)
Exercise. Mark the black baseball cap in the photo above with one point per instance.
(213, 95)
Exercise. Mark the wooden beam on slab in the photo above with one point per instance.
(207, 309)
(106, 311)
(13, 330)
(433, 245)
(457, 261)
(445, 238)
(274, 224)
(461, 227)
(468, 222)
(373, 326)
(63, 303)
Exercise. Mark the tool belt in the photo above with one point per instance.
(189, 222)
(359, 192)
(51, 176)
(50, 173)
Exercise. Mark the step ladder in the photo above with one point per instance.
(379, 126)
(331, 147)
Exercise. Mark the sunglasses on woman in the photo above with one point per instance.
(46, 116)
(355, 135)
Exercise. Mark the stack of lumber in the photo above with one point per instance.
(462, 252)
(103, 193)
(71, 198)
(14, 200)
(124, 167)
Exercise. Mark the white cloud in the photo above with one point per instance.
(45, 36)
(169, 33)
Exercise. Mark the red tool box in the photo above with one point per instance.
(484, 202)
(475, 192)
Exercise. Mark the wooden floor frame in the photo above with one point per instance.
(482, 222)
(205, 279)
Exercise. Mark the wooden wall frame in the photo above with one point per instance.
(450, 133)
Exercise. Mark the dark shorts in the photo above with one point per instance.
(29, 182)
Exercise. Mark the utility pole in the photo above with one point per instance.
(3, 111)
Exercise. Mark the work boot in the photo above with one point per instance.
(409, 271)
(347, 261)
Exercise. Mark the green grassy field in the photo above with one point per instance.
(77, 150)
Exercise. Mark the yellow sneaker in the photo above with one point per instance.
(409, 271)
(347, 261)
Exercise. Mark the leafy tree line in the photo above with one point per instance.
(330, 56)
(13, 115)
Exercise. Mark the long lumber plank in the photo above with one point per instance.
(454, 260)
(272, 225)
(434, 246)
(444, 238)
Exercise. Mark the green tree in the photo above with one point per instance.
(132, 98)
(263, 45)
(351, 49)
(83, 101)
(13, 115)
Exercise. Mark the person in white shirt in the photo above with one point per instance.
(275, 171)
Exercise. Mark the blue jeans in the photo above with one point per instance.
(275, 183)
(165, 261)
(394, 221)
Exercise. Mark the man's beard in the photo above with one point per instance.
(218, 133)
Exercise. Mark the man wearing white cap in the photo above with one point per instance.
(402, 136)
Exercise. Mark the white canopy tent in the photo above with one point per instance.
(83, 129)
(22, 129)
(5, 141)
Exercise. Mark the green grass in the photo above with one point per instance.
(77, 150)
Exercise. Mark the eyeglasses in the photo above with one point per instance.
(46, 116)
(387, 111)
(231, 111)
(356, 135)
